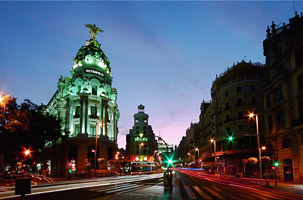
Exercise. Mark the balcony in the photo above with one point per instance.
(297, 122)
(227, 108)
(239, 104)
(254, 103)
(227, 120)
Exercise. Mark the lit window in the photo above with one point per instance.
(94, 90)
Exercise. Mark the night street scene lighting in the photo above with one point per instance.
(151, 100)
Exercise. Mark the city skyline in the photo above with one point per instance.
(161, 54)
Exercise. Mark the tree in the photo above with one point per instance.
(27, 126)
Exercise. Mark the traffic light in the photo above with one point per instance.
(169, 160)
(276, 164)
(230, 138)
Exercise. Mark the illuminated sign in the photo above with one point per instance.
(138, 139)
(91, 71)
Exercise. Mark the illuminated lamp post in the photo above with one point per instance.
(155, 155)
(98, 124)
(251, 116)
(27, 154)
(215, 148)
(197, 149)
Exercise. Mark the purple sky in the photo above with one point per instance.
(163, 55)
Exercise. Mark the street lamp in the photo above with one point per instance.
(98, 124)
(155, 153)
(251, 116)
(197, 149)
(215, 148)
(27, 154)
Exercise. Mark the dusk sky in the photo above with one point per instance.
(164, 55)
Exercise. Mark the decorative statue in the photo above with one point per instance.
(93, 30)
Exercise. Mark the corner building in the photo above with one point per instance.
(81, 102)
(283, 97)
(234, 93)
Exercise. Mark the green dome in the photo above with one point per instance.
(92, 55)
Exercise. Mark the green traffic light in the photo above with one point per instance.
(170, 161)
(230, 138)
(277, 164)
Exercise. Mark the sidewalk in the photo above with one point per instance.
(288, 187)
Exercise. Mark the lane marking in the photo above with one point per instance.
(203, 194)
(115, 187)
(126, 188)
(109, 186)
(190, 193)
(213, 192)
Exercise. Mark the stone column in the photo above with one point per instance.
(67, 116)
(81, 115)
(86, 116)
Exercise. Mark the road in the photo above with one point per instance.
(188, 185)
(195, 185)
(98, 188)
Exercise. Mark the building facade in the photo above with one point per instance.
(224, 129)
(140, 142)
(283, 97)
(86, 105)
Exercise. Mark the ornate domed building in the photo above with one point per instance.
(86, 104)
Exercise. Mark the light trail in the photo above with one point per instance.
(42, 189)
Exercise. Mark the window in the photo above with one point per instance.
(300, 107)
(93, 110)
(77, 111)
(227, 107)
(253, 101)
(286, 143)
(241, 126)
(252, 88)
(240, 115)
(227, 118)
(269, 123)
(268, 101)
(77, 129)
(226, 94)
(280, 119)
(300, 82)
(93, 130)
(94, 90)
(299, 57)
(239, 102)
(239, 89)
(278, 94)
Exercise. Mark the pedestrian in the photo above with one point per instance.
(170, 180)
(165, 180)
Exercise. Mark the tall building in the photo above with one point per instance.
(224, 119)
(283, 97)
(86, 104)
(140, 142)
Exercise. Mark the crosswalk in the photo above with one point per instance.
(207, 192)
(117, 188)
